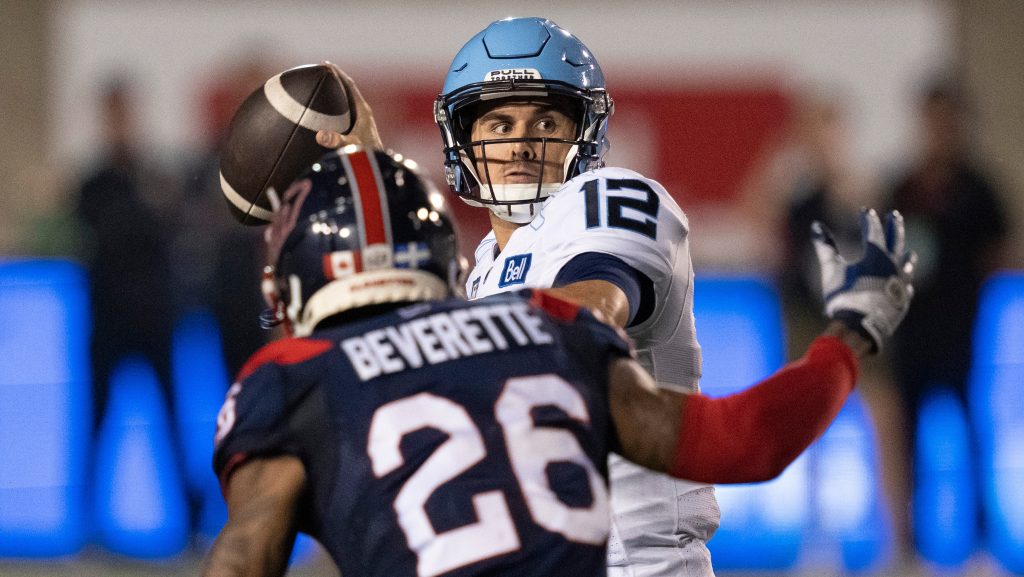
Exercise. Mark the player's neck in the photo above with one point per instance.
(503, 229)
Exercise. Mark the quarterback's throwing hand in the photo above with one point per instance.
(873, 294)
(364, 129)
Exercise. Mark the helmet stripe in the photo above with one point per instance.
(369, 194)
(371, 203)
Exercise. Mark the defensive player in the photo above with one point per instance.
(416, 434)
(523, 116)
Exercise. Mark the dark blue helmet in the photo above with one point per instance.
(526, 58)
(358, 228)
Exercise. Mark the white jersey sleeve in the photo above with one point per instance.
(622, 213)
(483, 260)
(614, 211)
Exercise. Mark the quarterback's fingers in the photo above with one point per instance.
(350, 85)
(329, 139)
(821, 233)
(909, 262)
(825, 247)
(871, 228)
(895, 237)
(364, 131)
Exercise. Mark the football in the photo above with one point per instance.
(272, 137)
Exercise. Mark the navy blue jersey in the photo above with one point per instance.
(450, 438)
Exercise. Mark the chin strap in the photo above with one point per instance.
(526, 194)
(270, 318)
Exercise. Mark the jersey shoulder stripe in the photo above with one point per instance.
(283, 352)
(555, 307)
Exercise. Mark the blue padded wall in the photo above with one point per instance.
(997, 409)
(200, 383)
(850, 513)
(945, 501)
(45, 412)
(140, 503)
(739, 326)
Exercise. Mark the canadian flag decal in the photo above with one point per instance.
(339, 264)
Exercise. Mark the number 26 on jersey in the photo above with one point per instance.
(531, 449)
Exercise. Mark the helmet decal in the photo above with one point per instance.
(512, 74)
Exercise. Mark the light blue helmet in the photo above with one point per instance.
(521, 57)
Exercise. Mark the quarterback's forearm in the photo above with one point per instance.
(754, 435)
(604, 298)
(858, 343)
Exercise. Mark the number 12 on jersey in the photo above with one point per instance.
(644, 218)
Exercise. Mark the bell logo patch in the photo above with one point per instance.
(515, 269)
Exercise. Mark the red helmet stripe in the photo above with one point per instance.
(328, 266)
(371, 202)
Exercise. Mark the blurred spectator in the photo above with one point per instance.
(811, 175)
(957, 225)
(218, 261)
(122, 209)
(826, 185)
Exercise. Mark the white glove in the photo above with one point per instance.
(873, 294)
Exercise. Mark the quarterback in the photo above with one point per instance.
(523, 116)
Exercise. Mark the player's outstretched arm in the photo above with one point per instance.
(262, 497)
(747, 437)
(364, 131)
(755, 434)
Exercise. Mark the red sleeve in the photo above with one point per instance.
(755, 434)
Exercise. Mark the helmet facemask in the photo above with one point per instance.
(468, 163)
(514, 202)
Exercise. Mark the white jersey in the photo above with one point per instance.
(660, 524)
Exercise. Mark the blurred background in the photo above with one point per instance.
(130, 297)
